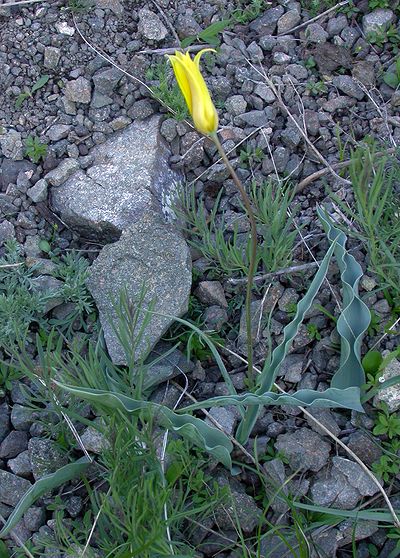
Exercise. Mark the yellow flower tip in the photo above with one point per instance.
(194, 90)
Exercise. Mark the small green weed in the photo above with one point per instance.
(387, 423)
(313, 332)
(41, 82)
(316, 88)
(166, 90)
(80, 6)
(248, 11)
(393, 78)
(35, 149)
(248, 156)
(315, 7)
(386, 468)
(382, 37)
(209, 35)
(374, 4)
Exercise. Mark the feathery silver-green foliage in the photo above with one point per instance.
(229, 254)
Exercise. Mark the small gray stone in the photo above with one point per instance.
(51, 287)
(166, 368)
(78, 90)
(11, 144)
(6, 231)
(298, 71)
(38, 192)
(12, 488)
(241, 505)
(292, 368)
(389, 395)
(338, 103)
(281, 58)
(21, 417)
(264, 92)
(65, 169)
(215, 317)
(348, 85)
(151, 26)
(266, 24)
(99, 100)
(226, 418)
(15, 443)
(315, 33)
(211, 292)
(355, 476)
(58, 132)
(46, 457)
(377, 21)
(253, 118)
(106, 80)
(288, 20)
(21, 465)
(304, 449)
(4, 420)
(336, 25)
(51, 57)
(326, 418)
(348, 532)
(94, 440)
(291, 137)
(236, 105)
(34, 518)
(364, 447)
(335, 489)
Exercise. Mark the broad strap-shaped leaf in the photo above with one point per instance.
(272, 366)
(355, 316)
(43, 485)
(348, 398)
(271, 369)
(215, 442)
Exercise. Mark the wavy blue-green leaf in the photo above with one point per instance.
(348, 398)
(215, 442)
(272, 367)
(43, 485)
(355, 317)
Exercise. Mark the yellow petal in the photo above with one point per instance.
(180, 75)
(200, 54)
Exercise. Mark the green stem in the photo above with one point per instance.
(253, 254)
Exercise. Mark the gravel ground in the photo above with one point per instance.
(331, 94)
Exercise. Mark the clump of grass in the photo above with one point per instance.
(229, 255)
(375, 213)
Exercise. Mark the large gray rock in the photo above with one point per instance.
(377, 21)
(151, 255)
(129, 175)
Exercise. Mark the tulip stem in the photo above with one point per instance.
(253, 255)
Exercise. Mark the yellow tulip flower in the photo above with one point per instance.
(195, 91)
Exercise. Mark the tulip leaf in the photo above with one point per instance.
(355, 317)
(215, 442)
(43, 485)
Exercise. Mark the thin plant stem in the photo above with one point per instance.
(253, 253)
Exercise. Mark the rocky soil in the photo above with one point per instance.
(114, 157)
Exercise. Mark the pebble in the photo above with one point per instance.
(377, 21)
(51, 57)
(151, 26)
(78, 90)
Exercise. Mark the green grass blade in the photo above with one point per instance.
(43, 485)
(368, 515)
(215, 442)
